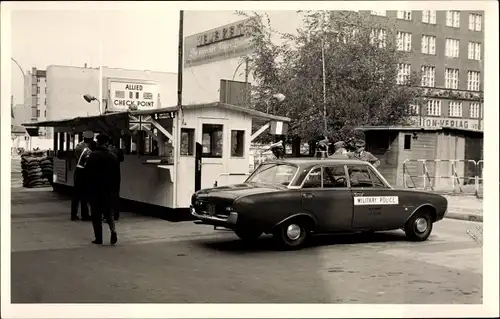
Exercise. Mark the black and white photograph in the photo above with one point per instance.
(250, 159)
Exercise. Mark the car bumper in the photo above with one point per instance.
(228, 222)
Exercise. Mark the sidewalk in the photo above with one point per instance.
(464, 207)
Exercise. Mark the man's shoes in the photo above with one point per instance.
(114, 238)
(97, 242)
(73, 218)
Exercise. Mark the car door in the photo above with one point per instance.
(374, 204)
(326, 195)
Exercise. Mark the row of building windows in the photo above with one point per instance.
(433, 108)
(429, 17)
(451, 77)
(428, 46)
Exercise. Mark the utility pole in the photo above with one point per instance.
(325, 121)
(180, 61)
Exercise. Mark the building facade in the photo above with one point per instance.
(446, 47)
(35, 99)
(62, 88)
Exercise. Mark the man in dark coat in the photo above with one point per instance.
(103, 172)
(116, 198)
(82, 152)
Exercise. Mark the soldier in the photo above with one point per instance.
(103, 170)
(339, 148)
(82, 151)
(363, 155)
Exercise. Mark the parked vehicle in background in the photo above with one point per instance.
(295, 198)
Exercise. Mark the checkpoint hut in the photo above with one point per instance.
(169, 153)
(428, 158)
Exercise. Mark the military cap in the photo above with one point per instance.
(88, 134)
(102, 138)
(359, 143)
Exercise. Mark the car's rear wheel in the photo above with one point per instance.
(292, 234)
(248, 234)
(419, 226)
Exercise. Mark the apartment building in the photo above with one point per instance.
(35, 99)
(447, 47)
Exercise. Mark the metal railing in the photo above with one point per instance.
(228, 174)
(430, 174)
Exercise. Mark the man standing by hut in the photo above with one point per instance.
(363, 155)
(103, 172)
(82, 151)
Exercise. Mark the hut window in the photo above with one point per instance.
(407, 142)
(212, 140)
(187, 141)
(237, 143)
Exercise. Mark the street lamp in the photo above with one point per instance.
(24, 82)
(278, 96)
(89, 98)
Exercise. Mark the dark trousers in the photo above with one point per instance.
(115, 208)
(102, 209)
(79, 195)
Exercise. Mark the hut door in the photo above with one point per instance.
(212, 135)
(197, 170)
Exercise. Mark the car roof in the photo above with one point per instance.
(311, 161)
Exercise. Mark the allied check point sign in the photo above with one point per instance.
(376, 200)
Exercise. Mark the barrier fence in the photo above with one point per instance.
(462, 176)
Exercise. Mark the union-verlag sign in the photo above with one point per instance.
(133, 96)
(433, 122)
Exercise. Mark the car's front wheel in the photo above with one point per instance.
(419, 226)
(248, 234)
(291, 234)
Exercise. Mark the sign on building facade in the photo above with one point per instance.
(132, 96)
(225, 42)
(437, 122)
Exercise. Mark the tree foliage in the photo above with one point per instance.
(360, 73)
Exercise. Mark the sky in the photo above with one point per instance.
(141, 40)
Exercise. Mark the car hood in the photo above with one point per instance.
(237, 190)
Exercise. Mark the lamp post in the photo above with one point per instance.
(89, 98)
(278, 96)
(24, 80)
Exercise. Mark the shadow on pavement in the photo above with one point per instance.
(265, 243)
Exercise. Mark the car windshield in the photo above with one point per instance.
(272, 173)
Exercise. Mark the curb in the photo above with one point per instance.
(467, 217)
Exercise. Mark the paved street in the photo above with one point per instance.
(53, 261)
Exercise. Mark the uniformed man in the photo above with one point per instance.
(103, 170)
(82, 151)
(278, 149)
(363, 155)
(339, 149)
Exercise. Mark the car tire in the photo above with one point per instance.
(419, 226)
(291, 235)
(248, 234)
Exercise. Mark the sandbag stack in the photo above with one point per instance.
(37, 169)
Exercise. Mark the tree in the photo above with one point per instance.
(355, 87)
